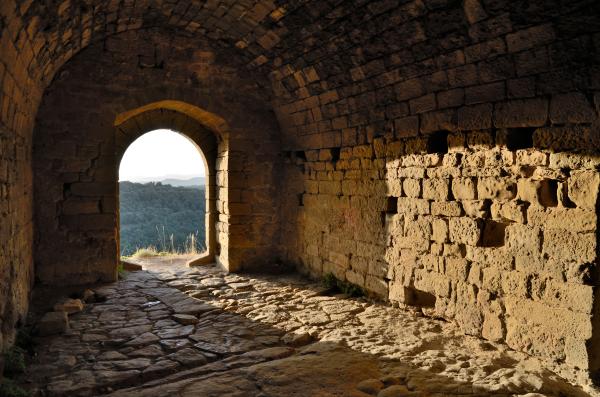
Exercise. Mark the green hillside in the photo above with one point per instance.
(151, 212)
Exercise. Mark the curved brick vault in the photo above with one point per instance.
(438, 153)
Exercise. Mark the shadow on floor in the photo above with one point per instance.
(129, 345)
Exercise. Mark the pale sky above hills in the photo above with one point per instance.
(159, 155)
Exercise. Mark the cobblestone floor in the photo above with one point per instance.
(269, 336)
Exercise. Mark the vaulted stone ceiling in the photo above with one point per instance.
(274, 33)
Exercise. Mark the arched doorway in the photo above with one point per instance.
(209, 134)
(162, 196)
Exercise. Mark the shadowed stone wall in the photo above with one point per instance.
(77, 151)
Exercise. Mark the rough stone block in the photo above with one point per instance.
(571, 219)
(408, 205)
(566, 138)
(475, 117)
(474, 11)
(532, 157)
(69, 306)
(457, 269)
(406, 126)
(536, 328)
(422, 104)
(530, 37)
(53, 323)
(475, 208)
(493, 327)
(523, 240)
(496, 188)
(412, 187)
(521, 113)
(511, 211)
(439, 230)
(445, 208)
(568, 246)
(571, 108)
(435, 189)
(463, 189)
(431, 282)
(377, 286)
(538, 192)
(583, 188)
(515, 283)
(465, 230)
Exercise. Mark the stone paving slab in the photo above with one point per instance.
(270, 336)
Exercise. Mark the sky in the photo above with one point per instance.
(161, 154)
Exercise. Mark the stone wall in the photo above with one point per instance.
(446, 157)
(76, 146)
(20, 91)
(500, 239)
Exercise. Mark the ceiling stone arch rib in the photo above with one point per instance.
(209, 120)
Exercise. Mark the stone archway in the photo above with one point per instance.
(208, 132)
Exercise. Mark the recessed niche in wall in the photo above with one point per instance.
(301, 155)
(335, 154)
(391, 205)
(437, 142)
(548, 193)
(493, 234)
(519, 138)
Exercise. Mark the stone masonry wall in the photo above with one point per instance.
(20, 92)
(446, 156)
(502, 241)
(76, 167)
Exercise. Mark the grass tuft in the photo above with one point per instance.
(345, 287)
(14, 361)
(9, 388)
(147, 252)
(121, 272)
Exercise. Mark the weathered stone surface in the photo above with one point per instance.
(69, 306)
(185, 319)
(53, 323)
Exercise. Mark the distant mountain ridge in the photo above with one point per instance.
(197, 181)
(174, 180)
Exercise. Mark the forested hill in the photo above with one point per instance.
(151, 212)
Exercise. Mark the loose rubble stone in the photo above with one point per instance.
(186, 319)
(53, 323)
(69, 306)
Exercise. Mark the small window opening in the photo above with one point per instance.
(415, 297)
(548, 193)
(563, 193)
(519, 138)
(493, 233)
(301, 155)
(391, 205)
(437, 142)
(335, 154)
